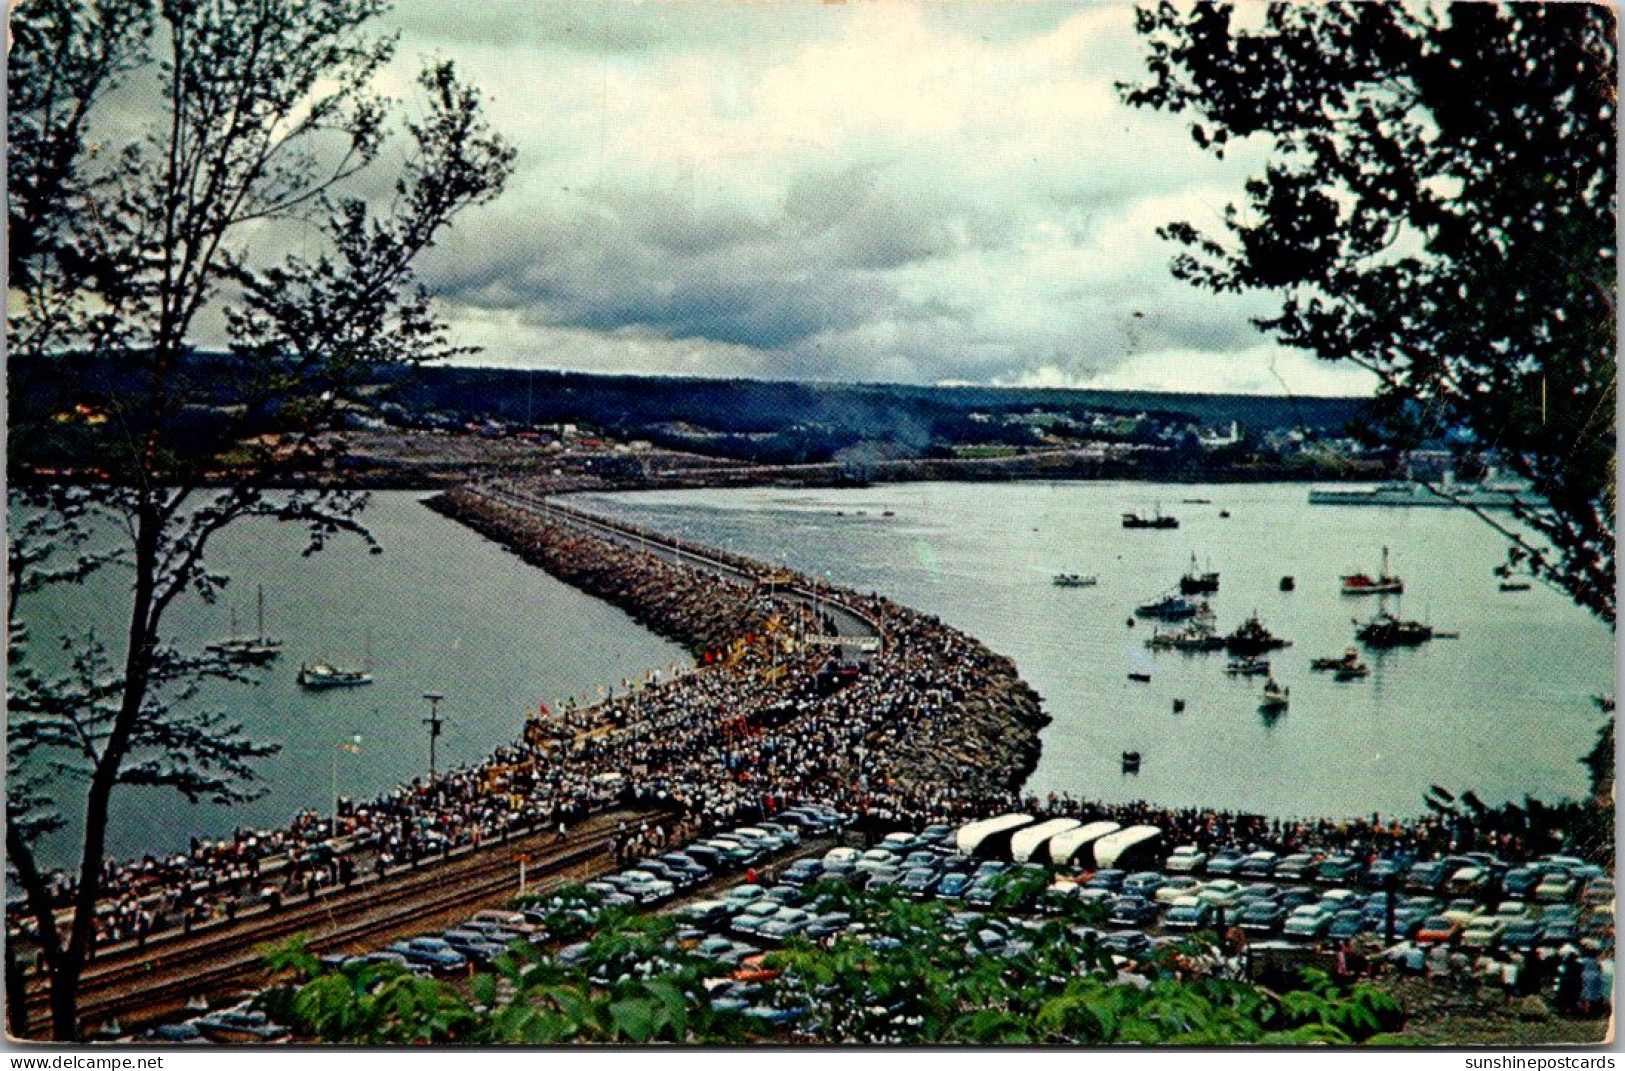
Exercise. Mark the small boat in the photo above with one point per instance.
(1515, 585)
(1179, 706)
(1386, 630)
(1197, 637)
(1224, 513)
(1276, 696)
(1353, 671)
(1197, 501)
(1252, 638)
(1075, 580)
(255, 650)
(1143, 678)
(1325, 665)
(1198, 583)
(321, 675)
(1289, 583)
(1131, 761)
(1247, 667)
(1385, 583)
(1168, 608)
(1154, 520)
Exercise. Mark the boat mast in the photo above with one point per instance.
(259, 611)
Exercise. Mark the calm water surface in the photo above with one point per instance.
(441, 610)
(1504, 709)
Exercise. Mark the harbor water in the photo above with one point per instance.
(440, 610)
(1505, 709)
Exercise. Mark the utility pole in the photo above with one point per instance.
(435, 722)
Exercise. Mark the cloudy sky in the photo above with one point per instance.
(935, 193)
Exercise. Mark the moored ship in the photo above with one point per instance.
(321, 675)
(1386, 630)
(1252, 639)
(1489, 493)
(1384, 583)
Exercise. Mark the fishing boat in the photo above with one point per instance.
(1328, 665)
(1247, 667)
(1276, 696)
(1198, 583)
(1252, 638)
(1157, 519)
(1385, 583)
(1385, 630)
(257, 649)
(320, 675)
(1353, 671)
(1198, 636)
(1168, 608)
(1075, 580)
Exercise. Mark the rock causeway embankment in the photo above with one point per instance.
(935, 718)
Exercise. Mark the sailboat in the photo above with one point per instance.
(257, 649)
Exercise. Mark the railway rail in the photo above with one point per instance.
(136, 985)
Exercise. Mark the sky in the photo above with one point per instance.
(919, 193)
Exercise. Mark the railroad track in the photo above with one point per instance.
(140, 985)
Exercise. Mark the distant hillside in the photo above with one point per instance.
(878, 411)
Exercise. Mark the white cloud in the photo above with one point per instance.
(860, 191)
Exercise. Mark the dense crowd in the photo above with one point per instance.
(935, 727)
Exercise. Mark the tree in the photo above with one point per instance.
(1437, 206)
(131, 228)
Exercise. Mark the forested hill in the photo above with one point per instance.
(883, 411)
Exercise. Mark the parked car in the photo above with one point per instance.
(919, 882)
(788, 922)
(1557, 886)
(1521, 936)
(1260, 864)
(1174, 889)
(1107, 879)
(1429, 876)
(1221, 893)
(802, 872)
(709, 913)
(1346, 925)
(1339, 870)
(876, 859)
(1483, 932)
(1145, 883)
(431, 952)
(1296, 866)
(1436, 930)
(1307, 923)
(1261, 916)
(1132, 911)
(1188, 913)
(239, 1025)
(1186, 859)
(1225, 862)
(1522, 881)
(477, 946)
(750, 918)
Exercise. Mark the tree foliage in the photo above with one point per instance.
(1438, 206)
(904, 973)
(232, 199)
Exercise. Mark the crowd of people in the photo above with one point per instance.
(933, 728)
